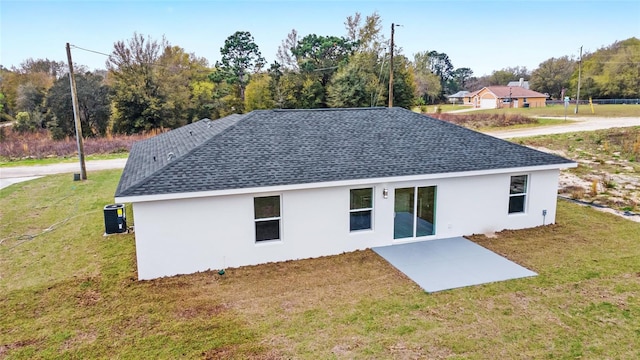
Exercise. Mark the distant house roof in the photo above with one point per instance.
(503, 92)
(458, 95)
(285, 147)
(521, 83)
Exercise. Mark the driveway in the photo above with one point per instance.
(443, 264)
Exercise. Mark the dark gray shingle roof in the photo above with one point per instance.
(284, 147)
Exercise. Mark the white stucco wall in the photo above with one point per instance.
(197, 234)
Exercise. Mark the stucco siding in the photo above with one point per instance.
(190, 235)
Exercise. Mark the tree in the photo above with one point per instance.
(355, 84)
(504, 76)
(30, 98)
(461, 77)
(435, 63)
(284, 56)
(614, 70)
(428, 85)
(286, 87)
(54, 69)
(318, 58)
(176, 70)
(368, 36)
(240, 56)
(153, 87)
(25, 122)
(359, 80)
(404, 83)
(94, 107)
(136, 96)
(552, 76)
(258, 93)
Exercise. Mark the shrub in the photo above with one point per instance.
(38, 144)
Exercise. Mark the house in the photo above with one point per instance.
(492, 97)
(520, 83)
(276, 185)
(458, 98)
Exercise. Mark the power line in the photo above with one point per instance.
(93, 51)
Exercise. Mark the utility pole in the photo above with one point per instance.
(76, 116)
(393, 26)
(391, 69)
(579, 79)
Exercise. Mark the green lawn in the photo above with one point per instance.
(613, 110)
(57, 160)
(68, 292)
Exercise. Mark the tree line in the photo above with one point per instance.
(151, 84)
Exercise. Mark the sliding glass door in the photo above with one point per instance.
(414, 212)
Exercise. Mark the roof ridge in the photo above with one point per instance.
(330, 109)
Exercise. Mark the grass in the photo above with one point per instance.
(609, 161)
(62, 159)
(538, 122)
(613, 110)
(69, 292)
(432, 109)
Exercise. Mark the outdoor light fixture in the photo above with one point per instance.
(385, 193)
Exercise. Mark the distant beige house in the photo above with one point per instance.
(496, 97)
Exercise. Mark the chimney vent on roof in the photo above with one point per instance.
(170, 156)
(521, 82)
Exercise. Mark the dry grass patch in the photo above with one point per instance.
(608, 165)
(585, 302)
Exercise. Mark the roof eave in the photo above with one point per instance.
(355, 182)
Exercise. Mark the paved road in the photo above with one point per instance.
(575, 124)
(12, 175)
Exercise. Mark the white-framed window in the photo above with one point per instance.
(518, 193)
(266, 211)
(360, 209)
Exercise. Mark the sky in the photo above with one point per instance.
(482, 35)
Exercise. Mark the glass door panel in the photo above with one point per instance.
(425, 217)
(403, 213)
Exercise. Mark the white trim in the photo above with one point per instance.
(350, 183)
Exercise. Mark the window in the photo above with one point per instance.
(517, 194)
(267, 217)
(360, 209)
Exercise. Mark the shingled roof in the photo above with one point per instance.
(285, 147)
(503, 92)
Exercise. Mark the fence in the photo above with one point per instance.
(597, 101)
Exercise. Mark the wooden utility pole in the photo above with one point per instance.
(391, 69)
(579, 78)
(76, 116)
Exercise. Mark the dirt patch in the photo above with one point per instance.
(88, 298)
(235, 352)
(200, 310)
(4, 349)
(608, 172)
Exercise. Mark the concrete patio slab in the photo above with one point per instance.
(443, 264)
